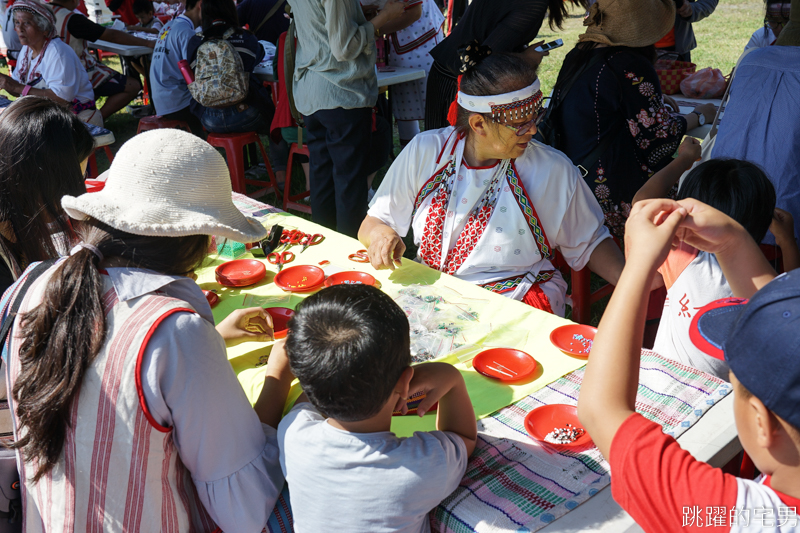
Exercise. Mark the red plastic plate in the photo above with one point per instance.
(94, 185)
(300, 278)
(240, 272)
(350, 278)
(505, 364)
(212, 297)
(564, 339)
(280, 320)
(546, 418)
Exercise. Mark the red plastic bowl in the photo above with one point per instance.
(300, 278)
(350, 278)
(240, 272)
(546, 418)
(505, 364)
(563, 339)
(212, 297)
(280, 320)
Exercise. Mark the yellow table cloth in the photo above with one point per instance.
(508, 322)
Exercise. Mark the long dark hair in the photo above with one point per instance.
(217, 17)
(494, 74)
(582, 53)
(557, 11)
(63, 335)
(39, 165)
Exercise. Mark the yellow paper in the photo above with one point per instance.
(512, 324)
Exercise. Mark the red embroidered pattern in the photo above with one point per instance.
(466, 242)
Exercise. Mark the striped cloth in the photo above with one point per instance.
(514, 484)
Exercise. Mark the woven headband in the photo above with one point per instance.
(513, 105)
(36, 8)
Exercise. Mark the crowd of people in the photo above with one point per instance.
(125, 412)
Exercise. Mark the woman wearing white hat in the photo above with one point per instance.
(127, 414)
(486, 203)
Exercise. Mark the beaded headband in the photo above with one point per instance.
(508, 106)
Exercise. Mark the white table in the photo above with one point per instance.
(712, 439)
(128, 50)
(400, 75)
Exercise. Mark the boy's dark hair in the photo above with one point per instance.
(191, 3)
(738, 188)
(142, 6)
(348, 346)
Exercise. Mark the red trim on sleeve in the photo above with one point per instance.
(676, 262)
(139, 391)
(662, 486)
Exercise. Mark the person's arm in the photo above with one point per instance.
(14, 88)
(346, 37)
(699, 9)
(608, 390)
(385, 248)
(662, 181)
(277, 382)
(745, 267)
(607, 261)
(443, 383)
(120, 37)
(409, 17)
(783, 228)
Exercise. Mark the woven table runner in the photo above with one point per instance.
(513, 483)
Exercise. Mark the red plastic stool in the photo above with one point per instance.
(290, 202)
(234, 144)
(157, 122)
(93, 161)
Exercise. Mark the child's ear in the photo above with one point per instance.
(766, 423)
(404, 382)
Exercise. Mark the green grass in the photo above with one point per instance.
(721, 39)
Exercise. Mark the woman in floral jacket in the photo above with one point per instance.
(618, 100)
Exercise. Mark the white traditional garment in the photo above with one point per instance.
(58, 69)
(516, 214)
(410, 49)
(98, 72)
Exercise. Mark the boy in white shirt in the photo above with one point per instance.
(694, 278)
(348, 345)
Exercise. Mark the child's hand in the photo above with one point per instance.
(650, 230)
(689, 151)
(278, 362)
(253, 324)
(782, 227)
(433, 379)
(708, 229)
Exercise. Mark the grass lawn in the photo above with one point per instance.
(721, 39)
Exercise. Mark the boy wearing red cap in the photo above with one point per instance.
(662, 486)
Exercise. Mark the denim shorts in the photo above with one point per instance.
(232, 120)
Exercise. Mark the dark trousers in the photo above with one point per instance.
(339, 142)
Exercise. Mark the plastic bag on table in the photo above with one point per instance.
(705, 83)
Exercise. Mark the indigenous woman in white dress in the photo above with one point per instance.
(46, 66)
(410, 44)
(127, 414)
(486, 203)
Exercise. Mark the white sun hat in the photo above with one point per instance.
(167, 183)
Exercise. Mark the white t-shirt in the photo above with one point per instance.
(566, 210)
(60, 70)
(365, 482)
(693, 279)
(761, 38)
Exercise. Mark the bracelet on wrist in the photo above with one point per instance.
(26, 90)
